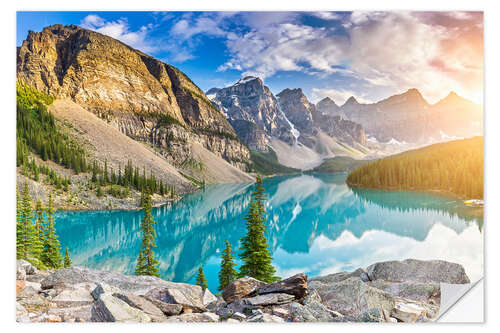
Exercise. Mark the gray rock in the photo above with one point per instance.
(38, 277)
(280, 312)
(269, 299)
(295, 285)
(204, 317)
(20, 273)
(166, 308)
(240, 288)
(142, 304)
(189, 296)
(352, 296)
(425, 292)
(28, 268)
(312, 295)
(73, 314)
(238, 316)
(418, 271)
(138, 285)
(337, 277)
(372, 316)
(103, 288)
(111, 309)
(265, 318)
(30, 297)
(21, 311)
(312, 312)
(78, 295)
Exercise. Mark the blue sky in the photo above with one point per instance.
(370, 55)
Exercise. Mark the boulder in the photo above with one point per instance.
(295, 285)
(338, 277)
(352, 296)
(204, 317)
(31, 298)
(240, 288)
(76, 296)
(73, 314)
(142, 304)
(20, 273)
(280, 312)
(425, 292)
(371, 316)
(20, 285)
(238, 316)
(269, 299)
(312, 296)
(430, 271)
(38, 277)
(138, 285)
(408, 313)
(103, 288)
(265, 318)
(189, 296)
(28, 268)
(166, 308)
(312, 312)
(112, 309)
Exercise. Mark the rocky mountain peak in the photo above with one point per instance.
(326, 102)
(350, 101)
(144, 98)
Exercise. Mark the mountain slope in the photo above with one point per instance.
(144, 98)
(407, 117)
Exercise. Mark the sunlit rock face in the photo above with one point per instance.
(408, 117)
(143, 97)
(253, 111)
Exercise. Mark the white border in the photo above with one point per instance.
(492, 135)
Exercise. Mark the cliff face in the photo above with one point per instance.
(308, 119)
(251, 101)
(143, 97)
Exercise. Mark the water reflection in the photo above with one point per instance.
(316, 224)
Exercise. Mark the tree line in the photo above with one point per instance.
(36, 237)
(455, 167)
(254, 249)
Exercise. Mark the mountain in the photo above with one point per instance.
(310, 121)
(148, 100)
(408, 117)
(253, 111)
(328, 107)
(288, 124)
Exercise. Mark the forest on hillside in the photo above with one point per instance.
(455, 167)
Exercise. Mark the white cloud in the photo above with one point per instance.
(287, 47)
(120, 30)
(327, 15)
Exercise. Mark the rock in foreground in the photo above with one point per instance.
(392, 291)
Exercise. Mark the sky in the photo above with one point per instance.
(369, 55)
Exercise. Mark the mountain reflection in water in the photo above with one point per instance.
(316, 224)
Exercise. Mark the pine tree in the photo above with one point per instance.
(39, 236)
(227, 272)
(51, 255)
(24, 228)
(67, 260)
(257, 260)
(146, 262)
(201, 280)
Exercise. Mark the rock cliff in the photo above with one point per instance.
(146, 99)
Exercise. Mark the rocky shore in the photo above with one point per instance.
(392, 291)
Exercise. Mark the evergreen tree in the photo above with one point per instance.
(39, 236)
(67, 260)
(146, 262)
(227, 272)
(24, 227)
(257, 260)
(201, 280)
(51, 255)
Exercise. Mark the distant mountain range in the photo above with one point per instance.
(211, 135)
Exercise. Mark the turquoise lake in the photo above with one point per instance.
(316, 224)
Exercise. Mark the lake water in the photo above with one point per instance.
(316, 224)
